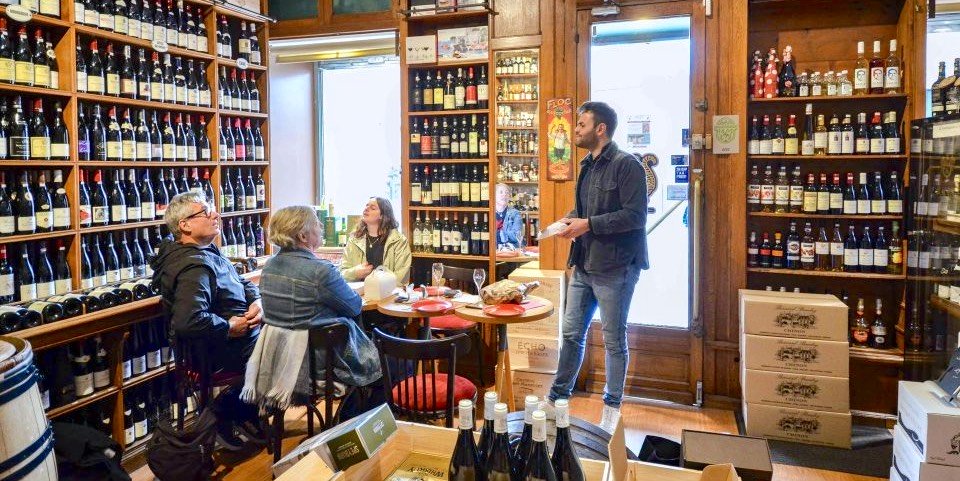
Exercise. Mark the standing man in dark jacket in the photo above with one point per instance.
(206, 299)
(608, 229)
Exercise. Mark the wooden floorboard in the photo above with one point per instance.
(640, 418)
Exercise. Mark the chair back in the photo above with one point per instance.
(327, 338)
(414, 387)
(459, 278)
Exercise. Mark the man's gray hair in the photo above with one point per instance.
(181, 207)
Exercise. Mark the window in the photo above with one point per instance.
(943, 36)
(359, 132)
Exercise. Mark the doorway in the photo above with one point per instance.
(643, 61)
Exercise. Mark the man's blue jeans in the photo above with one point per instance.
(612, 291)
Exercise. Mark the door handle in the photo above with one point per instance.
(696, 205)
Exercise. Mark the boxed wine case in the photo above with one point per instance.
(908, 463)
(930, 423)
(798, 425)
(818, 393)
(799, 356)
(785, 314)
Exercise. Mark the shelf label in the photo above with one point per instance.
(19, 13)
(160, 46)
(242, 63)
(947, 129)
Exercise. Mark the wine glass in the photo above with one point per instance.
(479, 275)
(437, 272)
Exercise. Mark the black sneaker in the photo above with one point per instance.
(227, 437)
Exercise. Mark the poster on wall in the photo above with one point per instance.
(638, 131)
(559, 135)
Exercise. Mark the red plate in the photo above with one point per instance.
(504, 310)
(432, 305)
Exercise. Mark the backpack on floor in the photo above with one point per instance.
(186, 455)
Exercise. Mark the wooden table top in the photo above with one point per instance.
(541, 308)
(394, 309)
(518, 259)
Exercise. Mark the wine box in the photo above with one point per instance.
(750, 456)
(410, 439)
(932, 424)
(819, 393)
(623, 470)
(799, 356)
(531, 383)
(534, 353)
(798, 425)
(553, 286)
(908, 463)
(785, 314)
(421, 49)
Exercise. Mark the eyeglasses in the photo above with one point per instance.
(204, 212)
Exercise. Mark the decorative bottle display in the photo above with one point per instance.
(877, 135)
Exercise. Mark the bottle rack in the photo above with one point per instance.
(517, 108)
(113, 323)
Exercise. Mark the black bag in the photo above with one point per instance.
(86, 454)
(183, 455)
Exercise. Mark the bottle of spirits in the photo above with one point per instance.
(860, 330)
(878, 330)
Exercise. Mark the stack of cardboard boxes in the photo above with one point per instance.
(926, 439)
(535, 346)
(794, 367)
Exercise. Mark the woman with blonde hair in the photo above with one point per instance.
(376, 242)
(300, 292)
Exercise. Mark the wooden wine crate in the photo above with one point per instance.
(553, 287)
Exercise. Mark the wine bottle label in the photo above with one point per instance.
(836, 202)
(113, 84)
(147, 211)
(41, 75)
(6, 285)
(851, 257)
(822, 248)
(7, 70)
(895, 206)
(807, 252)
(924, 260)
(113, 276)
(193, 97)
(782, 194)
(255, 57)
(126, 273)
(260, 153)
(182, 39)
(251, 201)
(205, 98)
(791, 146)
(146, 31)
(766, 147)
(79, 12)
(254, 105)
(129, 435)
(172, 36)
(44, 290)
(834, 145)
(59, 150)
(26, 224)
(860, 76)
(139, 365)
(933, 209)
(169, 92)
(101, 379)
(40, 147)
(955, 294)
(120, 24)
(127, 369)
(83, 384)
(847, 143)
(243, 46)
(156, 91)
(154, 359)
(118, 213)
(892, 78)
(133, 27)
(23, 72)
(169, 152)
(892, 145)
(87, 283)
(128, 86)
(881, 257)
(62, 286)
(54, 80)
(181, 94)
(876, 77)
(140, 428)
(943, 291)
(236, 103)
(877, 146)
(820, 140)
(91, 17)
(863, 206)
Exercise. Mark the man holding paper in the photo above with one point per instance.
(608, 229)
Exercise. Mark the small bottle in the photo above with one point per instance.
(830, 84)
(845, 86)
(878, 330)
(860, 331)
(803, 84)
(816, 85)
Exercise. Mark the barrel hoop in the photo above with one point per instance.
(26, 453)
(21, 382)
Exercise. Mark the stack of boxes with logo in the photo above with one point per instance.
(535, 346)
(794, 367)
(926, 439)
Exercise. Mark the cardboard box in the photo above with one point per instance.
(908, 463)
(931, 424)
(750, 456)
(534, 353)
(409, 439)
(798, 425)
(818, 393)
(802, 316)
(799, 356)
(350, 442)
(553, 287)
(531, 383)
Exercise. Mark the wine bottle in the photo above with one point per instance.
(98, 201)
(45, 279)
(23, 59)
(26, 280)
(520, 453)
(565, 462)
(82, 375)
(63, 275)
(24, 210)
(71, 303)
(117, 201)
(7, 285)
(132, 199)
(43, 206)
(11, 319)
(61, 204)
(98, 136)
(537, 466)
(486, 434)
(138, 354)
(465, 463)
(129, 433)
(100, 365)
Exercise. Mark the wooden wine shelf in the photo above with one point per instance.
(17, 89)
(448, 161)
(241, 114)
(527, 156)
(139, 42)
(88, 325)
(828, 216)
(149, 375)
(512, 182)
(36, 164)
(844, 275)
(534, 129)
(429, 255)
(434, 113)
(946, 306)
(245, 163)
(521, 102)
(829, 157)
(517, 75)
(939, 157)
(943, 225)
(829, 98)
(124, 226)
(239, 12)
(233, 63)
(40, 19)
(447, 65)
(449, 209)
(143, 163)
(38, 236)
(146, 104)
(238, 213)
(445, 17)
(81, 403)
(885, 356)
(932, 278)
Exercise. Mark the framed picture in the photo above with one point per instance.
(423, 7)
(458, 44)
(559, 115)
(421, 49)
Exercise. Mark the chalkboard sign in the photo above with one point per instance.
(298, 10)
(346, 7)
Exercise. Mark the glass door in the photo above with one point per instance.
(644, 63)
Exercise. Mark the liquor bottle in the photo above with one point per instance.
(891, 80)
(566, 463)
(498, 461)
(777, 251)
(820, 137)
(895, 251)
(860, 331)
(851, 252)
(937, 104)
(861, 73)
(753, 190)
(537, 465)
(465, 462)
(877, 70)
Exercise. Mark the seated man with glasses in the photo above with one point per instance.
(206, 299)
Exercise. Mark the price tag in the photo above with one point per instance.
(19, 13)
(242, 64)
(160, 46)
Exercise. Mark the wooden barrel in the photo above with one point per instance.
(26, 438)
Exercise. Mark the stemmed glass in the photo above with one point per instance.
(437, 272)
(479, 275)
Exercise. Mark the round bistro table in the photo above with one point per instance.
(539, 308)
(405, 310)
